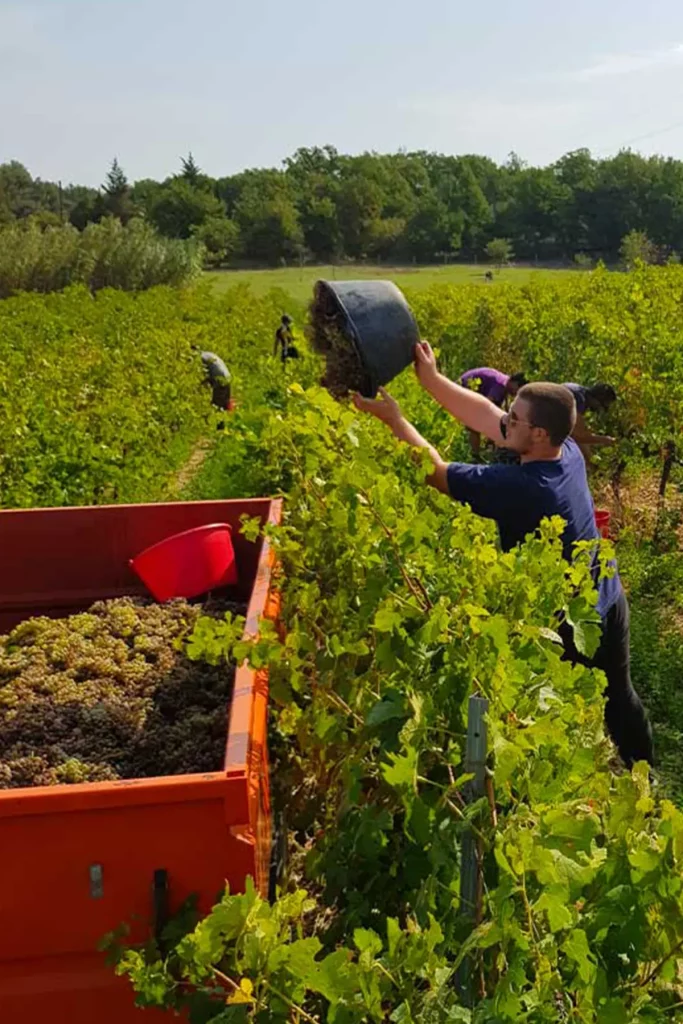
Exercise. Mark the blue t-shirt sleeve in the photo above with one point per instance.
(491, 491)
(574, 451)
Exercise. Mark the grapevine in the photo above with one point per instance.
(580, 906)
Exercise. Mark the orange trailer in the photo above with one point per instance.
(78, 860)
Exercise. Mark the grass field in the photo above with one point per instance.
(298, 282)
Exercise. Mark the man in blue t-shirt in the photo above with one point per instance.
(549, 480)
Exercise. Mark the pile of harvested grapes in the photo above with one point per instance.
(330, 336)
(110, 694)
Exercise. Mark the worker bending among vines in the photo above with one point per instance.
(217, 376)
(495, 385)
(549, 480)
(594, 399)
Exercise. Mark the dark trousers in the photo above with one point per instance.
(220, 396)
(625, 715)
(290, 352)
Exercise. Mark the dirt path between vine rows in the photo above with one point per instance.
(187, 473)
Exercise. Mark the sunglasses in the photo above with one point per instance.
(512, 417)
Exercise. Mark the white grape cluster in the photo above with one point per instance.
(109, 694)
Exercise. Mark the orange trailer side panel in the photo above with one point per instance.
(77, 861)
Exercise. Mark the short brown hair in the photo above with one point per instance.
(552, 408)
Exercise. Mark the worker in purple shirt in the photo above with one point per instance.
(549, 480)
(494, 385)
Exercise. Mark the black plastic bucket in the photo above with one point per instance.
(382, 326)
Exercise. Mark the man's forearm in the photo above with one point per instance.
(406, 432)
(471, 408)
(403, 430)
(386, 409)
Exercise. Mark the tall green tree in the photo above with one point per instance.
(190, 170)
(576, 173)
(116, 190)
(621, 200)
(268, 219)
(144, 194)
(307, 163)
(636, 248)
(16, 191)
(499, 251)
(534, 216)
(664, 203)
(178, 207)
(6, 215)
(360, 209)
(220, 238)
(432, 231)
(456, 186)
(81, 205)
(313, 180)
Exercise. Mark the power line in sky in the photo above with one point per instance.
(651, 135)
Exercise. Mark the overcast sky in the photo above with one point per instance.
(243, 83)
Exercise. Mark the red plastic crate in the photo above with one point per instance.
(58, 842)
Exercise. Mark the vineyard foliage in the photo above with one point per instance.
(101, 397)
(104, 255)
(101, 394)
(398, 606)
(621, 328)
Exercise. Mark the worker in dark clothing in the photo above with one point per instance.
(550, 480)
(597, 399)
(218, 377)
(284, 340)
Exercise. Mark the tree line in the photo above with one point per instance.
(324, 206)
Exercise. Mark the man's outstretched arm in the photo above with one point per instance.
(388, 411)
(472, 409)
